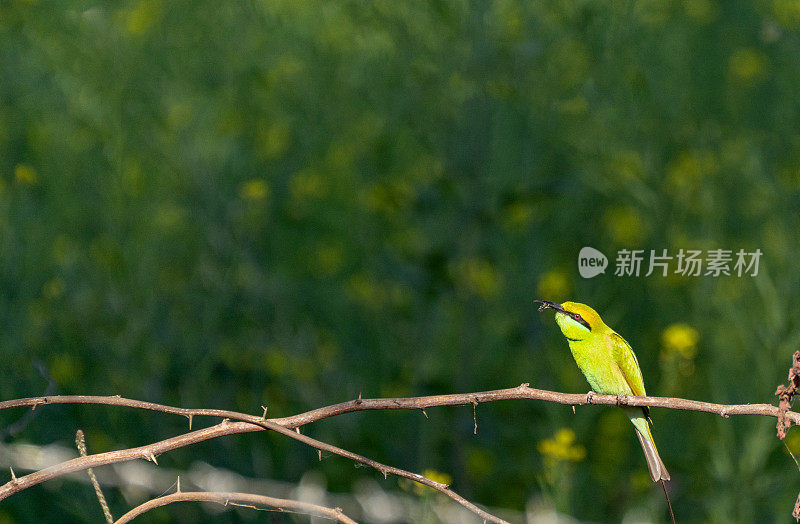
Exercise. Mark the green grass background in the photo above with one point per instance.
(291, 203)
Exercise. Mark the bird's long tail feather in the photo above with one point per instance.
(669, 504)
(658, 471)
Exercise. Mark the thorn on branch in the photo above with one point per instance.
(786, 394)
(190, 417)
(251, 506)
(358, 400)
(178, 488)
(297, 429)
(524, 385)
(319, 454)
(424, 413)
(13, 476)
(474, 417)
(264, 415)
(573, 409)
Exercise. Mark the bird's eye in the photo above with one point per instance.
(577, 316)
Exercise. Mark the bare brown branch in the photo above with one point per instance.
(143, 452)
(226, 427)
(294, 506)
(525, 392)
(522, 392)
(786, 394)
(796, 510)
(288, 425)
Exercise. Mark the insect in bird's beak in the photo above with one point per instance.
(546, 304)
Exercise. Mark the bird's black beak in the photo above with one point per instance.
(546, 304)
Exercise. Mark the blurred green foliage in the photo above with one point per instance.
(290, 203)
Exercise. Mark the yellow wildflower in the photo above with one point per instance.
(554, 285)
(562, 447)
(254, 190)
(680, 338)
(25, 174)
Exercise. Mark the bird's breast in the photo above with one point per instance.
(596, 362)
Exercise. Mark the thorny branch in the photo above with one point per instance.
(239, 499)
(288, 425)
(520, 392)
(785, 395)
(226, 427)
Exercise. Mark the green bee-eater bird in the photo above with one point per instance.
(610, 366)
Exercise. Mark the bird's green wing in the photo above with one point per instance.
(626, 361)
